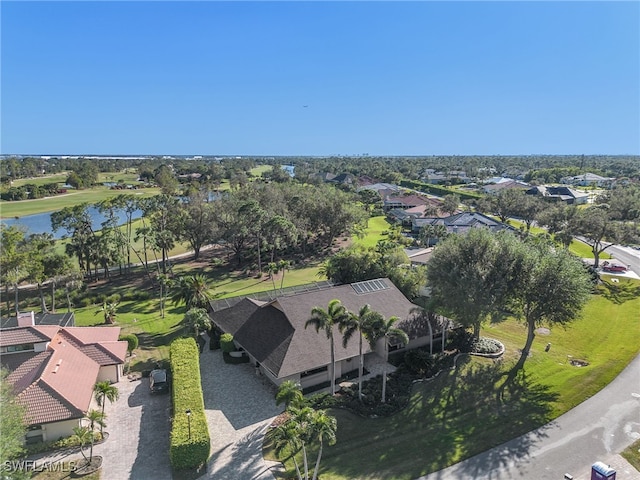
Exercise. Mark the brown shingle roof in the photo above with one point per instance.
(276, 336)
(25, 368)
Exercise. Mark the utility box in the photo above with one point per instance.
(602, 471)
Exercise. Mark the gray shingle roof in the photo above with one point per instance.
(276, 336)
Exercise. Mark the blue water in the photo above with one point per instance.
(41, 222)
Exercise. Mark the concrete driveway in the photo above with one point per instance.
(239, 406)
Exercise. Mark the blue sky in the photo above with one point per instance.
(320, 78)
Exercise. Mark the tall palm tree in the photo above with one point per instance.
(323, 428)
(192, 290)
(289, 393)
(283, 266)
(385, 330)
(272, 269)
(351, 325)
(104, 391)
(325, 320)
(285, 437)
(302, 419)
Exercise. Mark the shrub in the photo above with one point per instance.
(115, 298)
(132, 341)
(486, 345)
(190, 441)
(418, 361)
(462, 340)
(226, 343)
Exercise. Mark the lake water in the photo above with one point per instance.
(41, 222)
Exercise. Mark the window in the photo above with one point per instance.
(315, 371)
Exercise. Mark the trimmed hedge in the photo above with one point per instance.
(132, 341)
(190, 441)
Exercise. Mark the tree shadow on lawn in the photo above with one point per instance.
(453, 417)
(621, 292)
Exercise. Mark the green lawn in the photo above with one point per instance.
(374, 232)
(142, 317)
(73, 197)
(456, 415)
(583, 250)
(57, 178)
(632, 454)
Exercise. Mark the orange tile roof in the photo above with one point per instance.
(57, 384)
(44, 405)
(21, 335)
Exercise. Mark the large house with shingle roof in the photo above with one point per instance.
(53, 369)
(274, 336)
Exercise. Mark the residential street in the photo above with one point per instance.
(596, 430)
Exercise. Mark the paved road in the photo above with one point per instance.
(596, 430)
(627, 256)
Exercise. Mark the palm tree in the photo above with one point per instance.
(385, 330)
(283, 266)
(197, 320)
(325, 320)
(105, 391)
(83, 435)
(323, 427)
(302, 419)
(351, 324)
(96, 417)
(290, 393)
(110, 311)
(272, 269)
(192, 290)
(285, 437)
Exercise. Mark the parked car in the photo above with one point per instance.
(610, 267)
(158, 381)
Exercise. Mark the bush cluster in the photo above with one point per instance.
(62, 443)
(190, 441)
(486, 345)
(226, 343)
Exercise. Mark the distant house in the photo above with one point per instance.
(403, 201)
(495, 188)
(588, 179)
(381, 187)
(53, 370)
(559, 194)
(274, 336)
(460, 223)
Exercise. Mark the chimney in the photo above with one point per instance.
(26, 319)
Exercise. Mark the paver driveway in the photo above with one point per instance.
(138, 424)
(239, 406)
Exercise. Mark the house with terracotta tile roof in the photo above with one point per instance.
(53, 369)
(274, 336)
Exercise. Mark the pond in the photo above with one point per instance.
(41, 222)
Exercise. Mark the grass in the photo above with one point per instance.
(583, 250)
(73, 197)
(632, 454)
(56, 178)
(142, 317)
(373, 232)
(456, 415)
(62, 473)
